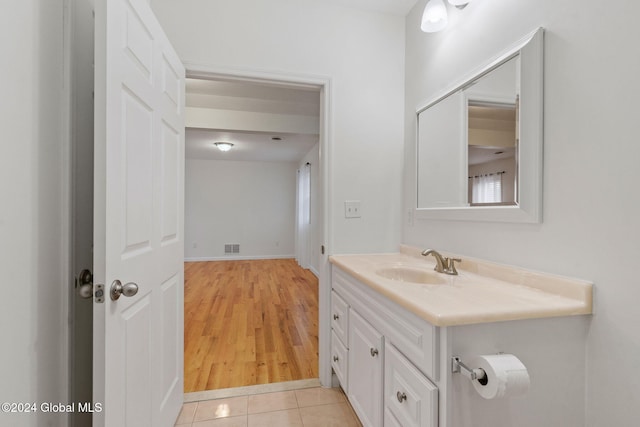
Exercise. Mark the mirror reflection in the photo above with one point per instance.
(468, 143)
(492, 141)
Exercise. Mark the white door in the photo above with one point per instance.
(138, 218)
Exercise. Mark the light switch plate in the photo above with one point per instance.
(352, 209)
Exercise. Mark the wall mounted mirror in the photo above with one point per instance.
(479, 144)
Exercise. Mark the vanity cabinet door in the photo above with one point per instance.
(365, 366)
(409, 396)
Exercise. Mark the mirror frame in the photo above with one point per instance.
(529, 206)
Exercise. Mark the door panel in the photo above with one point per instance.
(136, 179)
(170, 152)
(136, 322)
(171, 362)
(138, 235)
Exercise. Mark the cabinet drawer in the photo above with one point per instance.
(390, 420)
(340, 361)
(340, 318)
(408, 395)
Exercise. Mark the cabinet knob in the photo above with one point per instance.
(374, 352)
(335, 358)
(401, 397)
(336, 317)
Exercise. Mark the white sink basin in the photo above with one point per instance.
(412, 274)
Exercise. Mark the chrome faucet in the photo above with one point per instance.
(443, 264)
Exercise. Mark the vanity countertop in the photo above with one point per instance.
(482, 292)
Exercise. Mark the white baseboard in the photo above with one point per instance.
(251, 390)
(314, 271)
(237, 258)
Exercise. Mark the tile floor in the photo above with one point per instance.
(309, 407)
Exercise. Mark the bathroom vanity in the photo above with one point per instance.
(396, 324)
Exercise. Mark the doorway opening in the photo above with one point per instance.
(253, 227)
(319, 205)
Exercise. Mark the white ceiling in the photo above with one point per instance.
(395, 7)
(480, 154)
(254, 97)
(247, 146)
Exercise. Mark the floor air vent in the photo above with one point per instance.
(232, 248)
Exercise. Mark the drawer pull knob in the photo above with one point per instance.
(336, 317)
(401, 397)
(335, 358)
(374, 352)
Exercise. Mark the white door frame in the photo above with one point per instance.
(208, 71)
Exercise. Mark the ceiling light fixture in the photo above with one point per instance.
(460, 4)
(223, 146)
(435, 18)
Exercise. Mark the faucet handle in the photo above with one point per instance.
(451, 265)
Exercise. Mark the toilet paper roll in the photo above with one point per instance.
(506, 376)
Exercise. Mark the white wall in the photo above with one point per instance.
(33, 221)
(552, 350)
(249, 203)
(591, 226)
(363, 55)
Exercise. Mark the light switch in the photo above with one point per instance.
(352, 209)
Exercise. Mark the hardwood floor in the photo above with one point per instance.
(249, 322)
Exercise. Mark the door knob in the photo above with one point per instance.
(373, 351)
(84, 284)
(117, 289)
(87, 289)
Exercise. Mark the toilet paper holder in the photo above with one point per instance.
(458, 367)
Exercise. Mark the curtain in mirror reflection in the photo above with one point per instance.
(486, 188)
